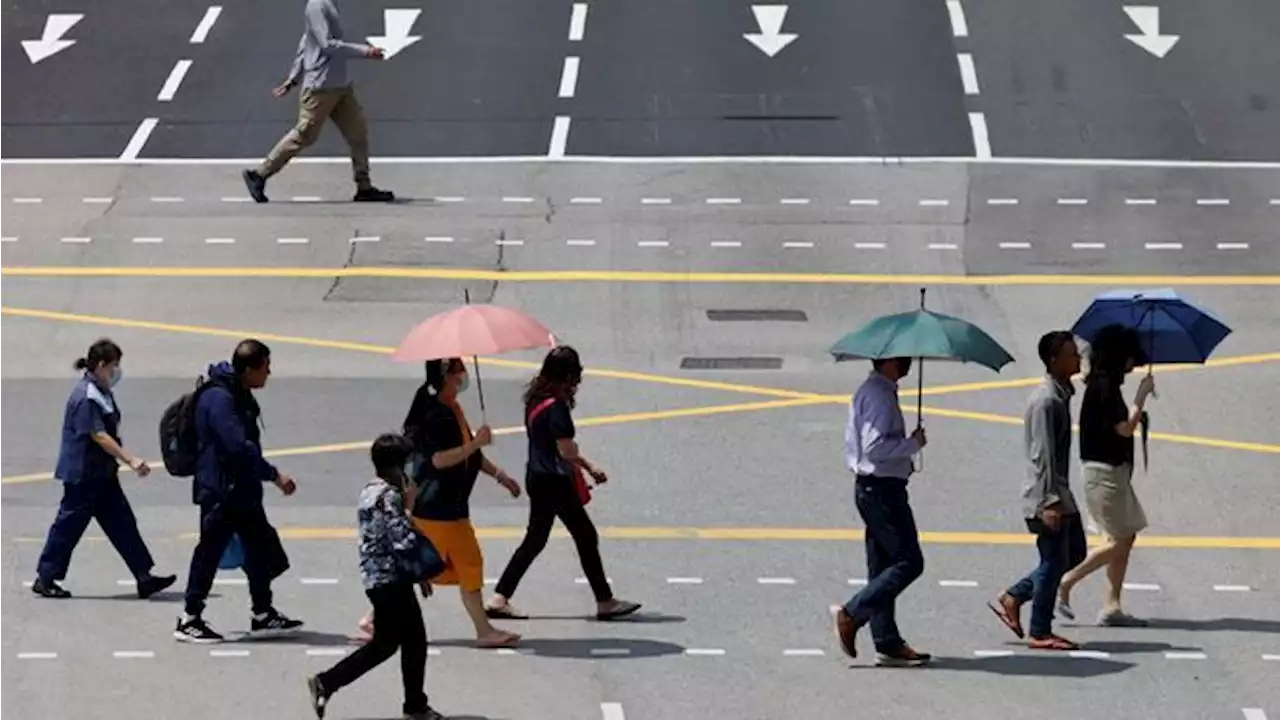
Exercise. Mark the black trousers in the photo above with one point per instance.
(397, 625)
(551, 497)
(264, 556)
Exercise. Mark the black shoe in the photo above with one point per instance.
(152, 584)
(428, 714)
(319, 698)
(195, 630)
(49, 589)
(256, 184)
(273, 624)
(373, 194)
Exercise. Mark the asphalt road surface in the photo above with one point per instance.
(1179, 81)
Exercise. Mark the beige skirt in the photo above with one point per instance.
(1112, 503)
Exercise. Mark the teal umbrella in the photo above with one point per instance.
(924, 335)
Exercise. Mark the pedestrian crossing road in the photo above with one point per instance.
(920, 78)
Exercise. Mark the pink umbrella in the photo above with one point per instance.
(473, 330)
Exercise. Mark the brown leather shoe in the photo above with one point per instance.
(846, 632)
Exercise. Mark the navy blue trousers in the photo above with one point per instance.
(1059, 552)
(100, 499)
(894, 559)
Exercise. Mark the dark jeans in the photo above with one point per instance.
(1059, 552)
(551, 497)
(100, 499)
(894, 559)
(264, 556)
(397, 625)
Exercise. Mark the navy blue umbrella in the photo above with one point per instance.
(1171, 329)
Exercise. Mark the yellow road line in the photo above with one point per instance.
(795, 535)
(636, 276)
(699, 411)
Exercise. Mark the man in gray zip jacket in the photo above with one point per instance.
(320, 66)
(1048, 505)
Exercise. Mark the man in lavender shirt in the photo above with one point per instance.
(879, 452)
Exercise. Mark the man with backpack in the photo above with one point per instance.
(217, 426)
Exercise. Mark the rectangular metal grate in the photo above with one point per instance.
(731, 363)
(757, 316)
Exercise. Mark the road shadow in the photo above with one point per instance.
(1131, 647)
(421, 202)
(581, 648)
(168, 596)
(305, 637)
(634, 619)
(1031, 666)
(1229, 624)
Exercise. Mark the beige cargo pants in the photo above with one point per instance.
(315, 106)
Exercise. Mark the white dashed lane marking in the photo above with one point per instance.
(366, 239)
(292, 241)
(1233, 246)
(584, 581)
(1088, 246)
(8, 239)
(1184, 655)
(704, 652)
(1254, 714)
(1139, 201)
(513, 243)
(1270, 657)
(958, 583)
(1015, 246)
(76, 240)
(796, 244)
(684, 581)
(326, 652)
(992, 653)
(857, 581)
(1073, 201)
(726, 244)
(1089, 654)
(1232, 588)
(230, 199)
(864, 202)
(219, 241)
(37, 656)
(228, 653)
(580, 243)
(981, 135)
(869, 246)
(776, 581)
(201, 32)
(96, 200)
(230, 581)
(569, 76)
(586, 201)
(28, 200)
(803, 652)
(1213, 201)
(724, 201)
(655, 201)
(517, 199)
(610, 652)
(1163, 246)
(174, 81)
(319, 581)
(578, 22)
(306, 199)
(1002, 201)
(653, 244)
(167, 199)
(611, 711)
(133, 654)
(437, 239)
(959, 26)
(968, 73)
(794, 201)
(1142, 587)
(449, 199)
(931, 202)
(943, 246)
(149, 240)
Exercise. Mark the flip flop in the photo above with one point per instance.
(1001, 612)
(623, 609)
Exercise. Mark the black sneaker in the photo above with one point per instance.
(256, 184)
(373, 194)
(273, 624)
(428, 714)
(152, 584)
(195, 630)
(319, 698)
(49, 589)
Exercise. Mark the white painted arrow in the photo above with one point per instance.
(1147, 18)
(770, 39)
(51, 42)
(399, 23)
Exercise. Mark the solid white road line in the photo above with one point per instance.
(292, 241)
(149, 240)
(437, 239)
(992, 653)
(580, 243)
(776, 581)
(206, 24)
(611, 711)
(37, 656)
(968, 73)
(578, 22)
(705, 652)
(684, 581)
(958, 583)
(559, 137)
(1088, 246)
(1254, 714)
(795, 244)
(804, 652)
(959, 26)
(585, 201)
(655, 201)
(1180, 655)
(1002, 201)
(1015, 246)
(219, 241)
(76, 240)
(610, 652)
(228, 653)
(174, 81)
(1232, 588)
(139, 139)
(569, 76)
(1163, 246)
(1233, 246)
(981, 138)
(133, 654)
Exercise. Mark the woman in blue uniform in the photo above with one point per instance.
(89, 465)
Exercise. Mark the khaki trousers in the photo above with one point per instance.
(315, 106)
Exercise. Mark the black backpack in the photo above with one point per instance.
(179, 445)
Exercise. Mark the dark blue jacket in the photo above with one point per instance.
(90, 409)
(230, 467)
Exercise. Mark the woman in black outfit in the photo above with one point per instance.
(549, 480)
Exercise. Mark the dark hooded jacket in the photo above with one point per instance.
(230, 467)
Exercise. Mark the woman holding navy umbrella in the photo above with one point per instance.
(1107, 428)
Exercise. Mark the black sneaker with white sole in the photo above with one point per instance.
(195, 630)
(273, 624)
(49, 589)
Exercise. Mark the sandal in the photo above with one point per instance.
(1007, 616)
(1052, 642)
(622, 609)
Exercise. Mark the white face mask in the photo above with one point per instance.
(116, 374)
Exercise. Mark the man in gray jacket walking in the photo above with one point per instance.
(1048, 505)
(320, 66)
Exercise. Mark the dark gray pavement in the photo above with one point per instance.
(670, 78)
(87, 100)
(481, 81)
(1061, 80)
